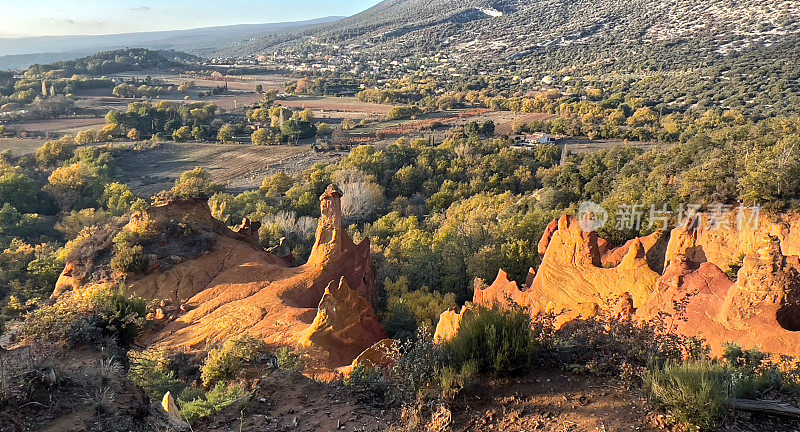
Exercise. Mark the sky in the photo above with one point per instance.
(23, 18)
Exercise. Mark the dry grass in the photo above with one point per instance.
(427, 124)
(347, 104)
(21, 146)
(63, 125)
(237, 167)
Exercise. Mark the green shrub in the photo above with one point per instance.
(403, 112)
(499, 342)
(87, 316)
(696, 393)
(150, 371)
(189, 394)
(734, 267)
(217, 399)
(369, 381)
(129, 255)
(419, 363)
(226, 361)
(453, 381)
(196, 409)
(407, 309)
(742, 358)
(289, 359)
(607, 346)
(196, 183)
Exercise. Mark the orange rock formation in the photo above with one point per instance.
(571, 281)
(675, 278)
(449, 323)
(345, 325)
(235, 287)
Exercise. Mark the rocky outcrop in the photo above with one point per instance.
(214, 283)
(185, 246)
(581, 277)
(572, 283)
(345, 325)
(759, 310)
(449, 323)
(502, 293)
(571, 276)
(718, 239)
(654, 245)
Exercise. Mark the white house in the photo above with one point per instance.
(538, 138)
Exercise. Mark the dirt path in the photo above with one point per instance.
(552, 401)
(289, 401)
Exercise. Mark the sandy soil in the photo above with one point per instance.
(552, 401)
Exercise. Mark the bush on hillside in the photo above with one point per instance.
(129, 256)
(89, 315)
(150, 370)
(217, 399)
(696, 393)
(224, 362)
(403, 112)
(499, 342)
(289, 359)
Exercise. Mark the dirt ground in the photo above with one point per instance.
(21, 146)
(346, 104)
(289, 401)
(82, 396)
(552, 401)
(237, 167)
(58, 126)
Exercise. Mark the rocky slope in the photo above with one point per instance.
(213, 283)
(693, 296)
(517, 29)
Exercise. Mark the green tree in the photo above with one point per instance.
(225, 134)
(196, 183)
(181, 134)
(260, 137)
(119, 199)
(277, 184)
(18, 190)
(197, 133)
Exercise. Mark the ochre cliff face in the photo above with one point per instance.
(675, 279)
(235, 287)
(571, 281)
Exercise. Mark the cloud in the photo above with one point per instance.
(141, 8)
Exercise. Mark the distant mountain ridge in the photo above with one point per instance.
(16, 53)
